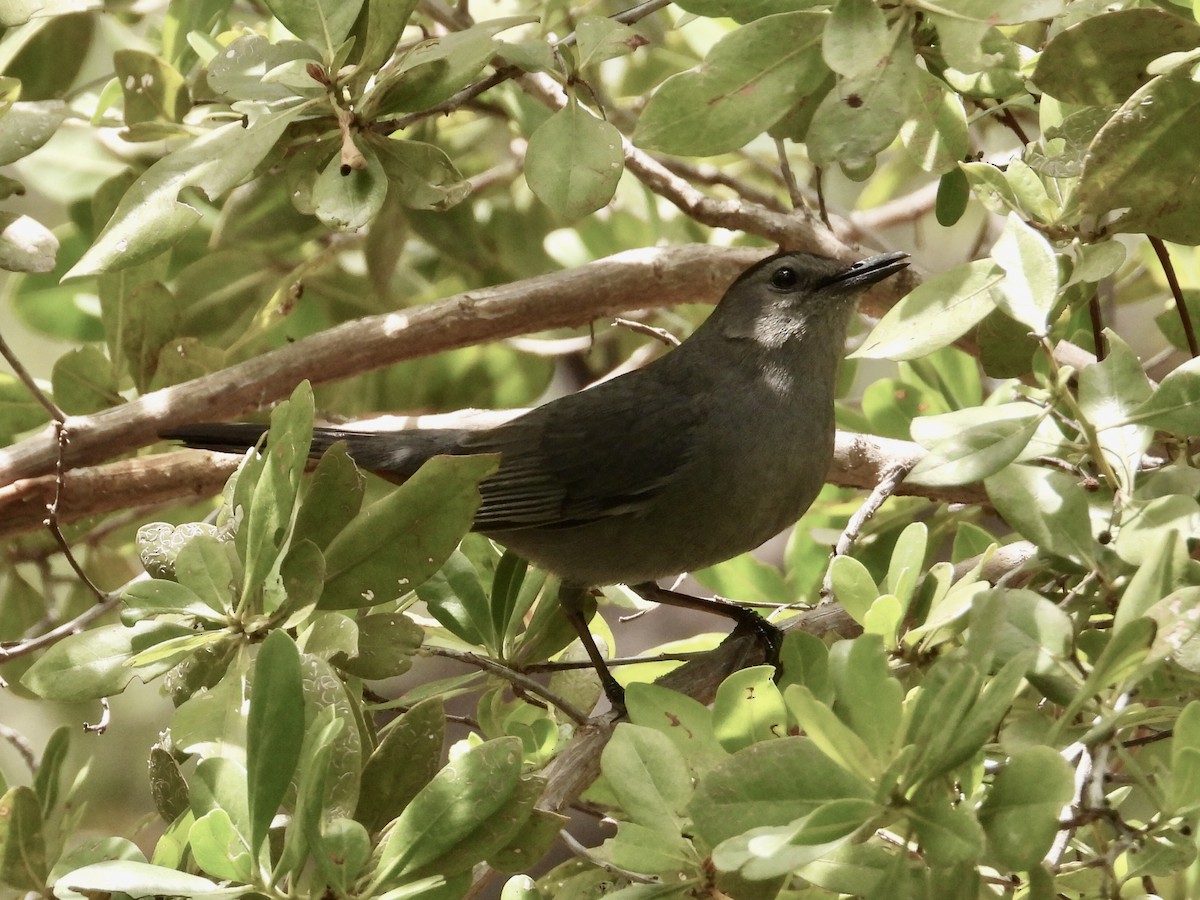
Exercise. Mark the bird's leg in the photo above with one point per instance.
(769, 637)
(573, 599)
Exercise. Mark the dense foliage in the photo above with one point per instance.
(211, 205)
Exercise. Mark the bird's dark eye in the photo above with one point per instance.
(784, 278)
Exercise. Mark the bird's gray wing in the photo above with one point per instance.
(584, 457)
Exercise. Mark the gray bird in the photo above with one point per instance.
(701, 455)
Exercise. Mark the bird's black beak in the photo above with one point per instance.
(867, 272)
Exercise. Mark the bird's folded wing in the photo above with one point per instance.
(589, 456)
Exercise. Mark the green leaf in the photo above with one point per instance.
(385, 24)
(771, 852)
(455, 596)
(1020, 813)
(312, 781)
(490, 836)
(978, 450)
(748, 708)
(954, 191)
(46, 779)
(1185, 758)
(342, 848)
(219, 849)
(458, 799)
(748, 81)
(891, 405)
(332, 498)
(1030, 286)
(1123, 656)
(769, 784)
(1163, 568)
(637, 848)
(862, 115)
(349, 198)
(936, 139)
(400, 541)
(137, 879)
(26, 245)
(146, 599)
(599, 38)
(421, 175)
(1175, 404)
(936, 313)
(27, 126)
(1102, 59)
(437, 68)
(83, 381)
(1109, 391)
(947, 834)
(266, 528)
(19, 411)
(206, 566)
(686, 722)
(95, 663)
(153, 90)
(827, 731)
(804, 659)
(323, 23)
(323, 687)
(1142, 156)
(151, 216)
(386, 644)
(23, 863)
(856, 37)
(740, 10)
(1032, 625)
(274, 731)
(407, 759)
(853, 586)
(168, 787)
(649, 777)
(868, 696)
(1046, 507)
(574, 161)
(238, 71)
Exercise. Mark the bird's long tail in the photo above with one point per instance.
(393, 454)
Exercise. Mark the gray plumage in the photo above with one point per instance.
(704, 453)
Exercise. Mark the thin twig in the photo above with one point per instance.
(1185, 316)
(889, 481)
(512, 676)
(583, 852)
(822, 209)
(1097, 319)
(789, 177)
(105, 718)
(21, 744)
(455, 22)
(564, 665)
(28, 380)
(13, 649)
(659, 334)
(51, 521)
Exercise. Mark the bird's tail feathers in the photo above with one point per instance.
(395, 454)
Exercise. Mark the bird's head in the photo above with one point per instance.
(799, 294)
